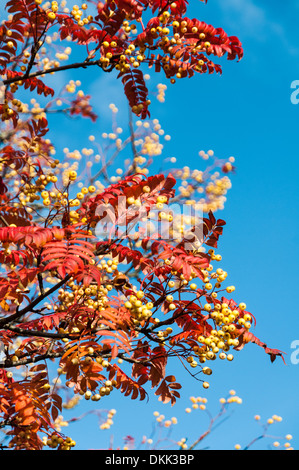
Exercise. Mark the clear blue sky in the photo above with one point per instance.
(247, 113)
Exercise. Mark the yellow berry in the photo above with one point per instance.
(130, 200)
(162, 199)
(230, 289)
(72, 175)
(51, 15)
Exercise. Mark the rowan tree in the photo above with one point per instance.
(90, 260)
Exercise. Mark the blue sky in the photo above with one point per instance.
(247, 113)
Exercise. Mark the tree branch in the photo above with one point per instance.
(19, 313)
(39, 73)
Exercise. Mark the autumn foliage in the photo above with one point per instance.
(82, 279)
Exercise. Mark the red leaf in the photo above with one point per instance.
(246, 337)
